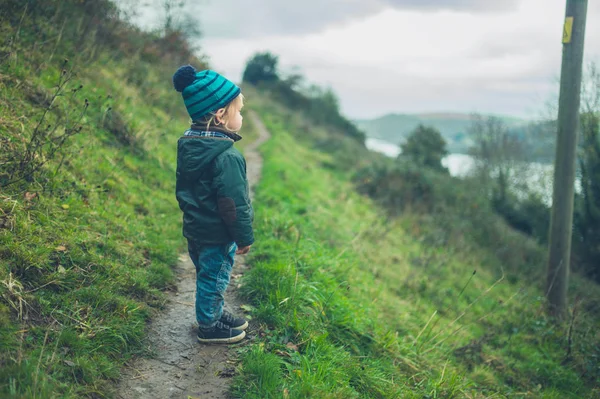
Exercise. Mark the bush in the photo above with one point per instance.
(452, 212)
(425, 147)
(60, 115)
(397, 187)
(530, 216)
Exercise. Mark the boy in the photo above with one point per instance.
(212, 191)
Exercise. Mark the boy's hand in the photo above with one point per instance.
(243, 250)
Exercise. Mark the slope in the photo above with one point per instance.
(355, 304)
(89, 227)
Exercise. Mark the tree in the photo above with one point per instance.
(324, 105)
(177, 18)
(588, 212)
(425, 147)
(498, 153)
(505, 175)
(262, 67)
(587, 203)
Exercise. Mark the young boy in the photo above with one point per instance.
(212, 191)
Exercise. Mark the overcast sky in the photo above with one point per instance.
(403, 56)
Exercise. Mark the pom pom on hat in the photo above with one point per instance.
(185, 76)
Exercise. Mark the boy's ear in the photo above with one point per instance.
(219, 115)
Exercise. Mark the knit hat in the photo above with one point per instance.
(203, 92)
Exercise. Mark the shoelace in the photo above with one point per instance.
(222, 326)
(228, 317)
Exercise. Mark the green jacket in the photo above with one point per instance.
(212, 191)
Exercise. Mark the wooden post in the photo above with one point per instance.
(564, 166)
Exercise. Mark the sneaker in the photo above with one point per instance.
(234, 321)
(220, 333)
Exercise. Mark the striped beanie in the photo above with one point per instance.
(203, 92)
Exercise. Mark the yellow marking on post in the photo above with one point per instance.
(568, 30)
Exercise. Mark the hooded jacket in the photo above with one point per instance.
(212, 191)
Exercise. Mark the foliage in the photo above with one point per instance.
(178, 19)
(456, 212)
(586, 232)
(83, 30)
(24, 157)
(587, 217)
(497, 152)
(530, 215)
(320, 106)
(502, 171)
(261, 67)
(425, 147)
(398, 187)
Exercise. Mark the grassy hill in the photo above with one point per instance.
(350, 301)
(355, 304)
(89, 227)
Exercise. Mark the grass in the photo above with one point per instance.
(87, 245)
(352, 304)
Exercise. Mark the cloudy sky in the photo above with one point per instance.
(404, 56)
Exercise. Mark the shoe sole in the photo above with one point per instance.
(230, 340)
(242, 327)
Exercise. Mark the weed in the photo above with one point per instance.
(13, 294)
(24, 158)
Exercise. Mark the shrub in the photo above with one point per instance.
(397, 187)
(60, 116)
(425, 147)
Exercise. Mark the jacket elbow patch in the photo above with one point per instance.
(227, 209)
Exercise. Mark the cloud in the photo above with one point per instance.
(461, 5)
(256, 18)
(403, 55)
(406, 60)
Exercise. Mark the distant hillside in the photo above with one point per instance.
(453, 126)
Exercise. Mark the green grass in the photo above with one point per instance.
(85, 253)
(352, 304)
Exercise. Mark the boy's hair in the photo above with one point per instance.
(211, 118)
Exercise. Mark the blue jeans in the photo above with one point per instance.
(213, 268)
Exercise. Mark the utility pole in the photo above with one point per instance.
(564, 165)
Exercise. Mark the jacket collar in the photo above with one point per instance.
(202, 127)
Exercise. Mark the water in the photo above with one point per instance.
(532, 177)
(458, 165)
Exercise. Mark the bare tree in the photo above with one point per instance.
(587, 203)
(177, 17)
(590, 89)
(500, 155)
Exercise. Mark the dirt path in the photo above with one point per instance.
(181, 367)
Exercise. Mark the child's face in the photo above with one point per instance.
(235, 118)
(231, 116)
